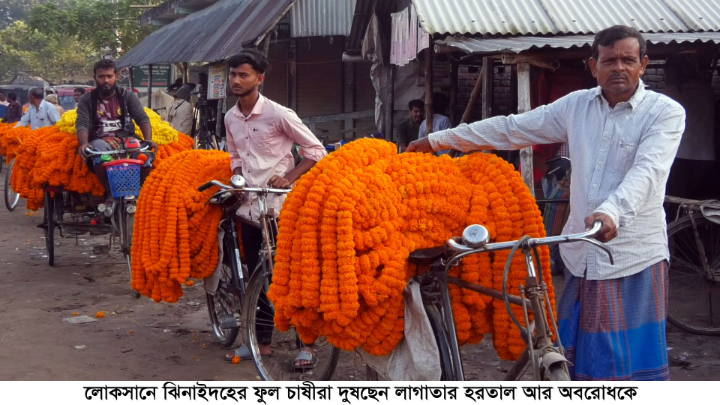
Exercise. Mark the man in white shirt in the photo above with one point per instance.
(440, 120)
(622, 140)
(180, 113)
(40, 113)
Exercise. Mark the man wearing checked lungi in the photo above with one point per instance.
(623, 141)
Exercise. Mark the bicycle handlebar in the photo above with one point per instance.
(256, 190)
(460, 246)
(92, 152)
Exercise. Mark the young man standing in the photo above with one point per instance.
(622, 140)
(440, 120)
(260, 137)
(40, 113)
(407, 130)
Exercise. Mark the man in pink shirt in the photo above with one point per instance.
(260, 138)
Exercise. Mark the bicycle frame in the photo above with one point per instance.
(535, 289)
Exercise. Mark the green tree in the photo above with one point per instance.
(23, 49)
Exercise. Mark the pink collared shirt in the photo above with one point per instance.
(261, 144)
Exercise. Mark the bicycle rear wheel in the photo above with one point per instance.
(11, 197)
(279, 366)
(694, 293)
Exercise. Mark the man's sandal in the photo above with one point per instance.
(304, 355)
(243, 352)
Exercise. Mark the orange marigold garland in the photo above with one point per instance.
(169, 211)
(349, 225)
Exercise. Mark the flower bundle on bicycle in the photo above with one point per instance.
(349, 225)
(48, 156)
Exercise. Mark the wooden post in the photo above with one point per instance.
(453, 92)
(473, 97)
(487, 88)
(150, 86)
(429, 55)
(526, 154)
(390, 105)
(349, 93)
(292, 76)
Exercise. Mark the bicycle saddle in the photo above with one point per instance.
(428, 256)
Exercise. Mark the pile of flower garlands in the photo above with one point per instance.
(175, 234)
(10, 139)
(349, 225)
(163, 133)
(48, 156)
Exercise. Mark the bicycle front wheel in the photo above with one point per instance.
(285, 346)
(443, 342)
(11, 197)
(694, 275)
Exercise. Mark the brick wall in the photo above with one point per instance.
(502, 99)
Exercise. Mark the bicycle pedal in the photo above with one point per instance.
(227, 321)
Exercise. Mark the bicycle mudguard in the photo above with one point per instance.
(552, 357)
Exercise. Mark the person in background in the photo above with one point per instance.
(15, 110)
(440, 120)
(407, 130)
(180, 113)
(622, 139)
(3, 104)
(40, 113)
(173, 88)
(52, 99)
(694, 167)
(78, 93)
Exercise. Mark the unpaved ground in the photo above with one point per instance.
(143, 340)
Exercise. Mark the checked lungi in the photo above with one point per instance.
(615, 329)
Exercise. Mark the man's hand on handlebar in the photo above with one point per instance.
(152, 145)
(422, 145)
(608, 231)
(279, 182)
(81, 150)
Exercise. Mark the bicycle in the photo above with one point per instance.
(11, 197)
(239, 305)
(547, 360)
(694, 272)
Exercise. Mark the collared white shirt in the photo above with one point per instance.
(261, 144)
(44, 115)
(621, 158)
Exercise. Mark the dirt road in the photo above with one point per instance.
(139, 339)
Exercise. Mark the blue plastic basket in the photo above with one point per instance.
(124, 177)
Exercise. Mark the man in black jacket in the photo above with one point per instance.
(14, 112)
(105, 118)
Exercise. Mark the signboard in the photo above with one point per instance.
(217, 82)
(161, 76)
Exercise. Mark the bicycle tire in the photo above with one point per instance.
(681, 270)
(223, 296)
(129, 224)
(442, 341)
(256, 287)
(49, 228)
(11, 197)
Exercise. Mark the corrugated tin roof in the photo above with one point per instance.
(517, 44)
(505, 17)
(535, 17)
(212, 34)
(319, 18)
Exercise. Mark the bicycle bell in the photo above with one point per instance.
(237, 181)
(475, 236)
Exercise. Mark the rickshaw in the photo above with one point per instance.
(76, 213)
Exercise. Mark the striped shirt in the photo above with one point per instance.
(621, 161)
